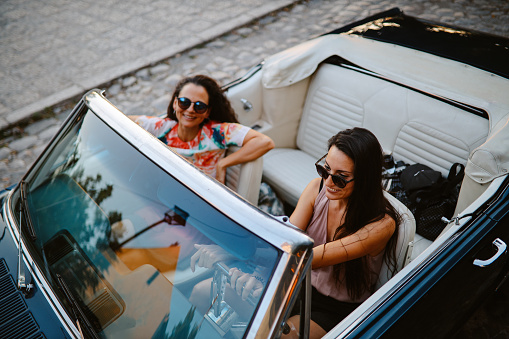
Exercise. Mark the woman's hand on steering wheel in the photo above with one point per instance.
(207, 255)
(245, 283)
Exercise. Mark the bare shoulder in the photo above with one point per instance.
(312, 189)
(302, 213)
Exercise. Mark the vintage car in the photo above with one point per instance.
(99, 239)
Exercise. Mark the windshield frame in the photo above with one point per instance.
(294, 245)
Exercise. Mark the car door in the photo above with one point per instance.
(443, 292)
(491, 320)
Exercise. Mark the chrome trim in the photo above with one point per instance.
(270, 312)
(501, 249)
(264, 322)
(219, 196)
(36, 272)
(295, 245)
(246, 105)
(305, 316)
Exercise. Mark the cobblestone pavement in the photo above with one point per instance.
(51, 50)
(148, 90)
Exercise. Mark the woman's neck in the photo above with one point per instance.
(187, 134)
(335, 216)
(338, 205)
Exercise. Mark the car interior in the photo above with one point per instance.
(412, 125)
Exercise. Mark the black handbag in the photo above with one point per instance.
(419, 176)
(431, 204)
(427, 195)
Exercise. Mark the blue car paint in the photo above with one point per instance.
(23, 316)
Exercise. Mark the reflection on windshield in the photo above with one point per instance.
(142, 255)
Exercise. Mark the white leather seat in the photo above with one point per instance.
(420, 244)
(404, 245)
(288, 171)
(245, 179)
(414, 127)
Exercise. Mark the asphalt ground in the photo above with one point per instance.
(145, 87)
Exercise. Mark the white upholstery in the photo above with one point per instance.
(420, 244)
(330, 106)
(288, 171)
(245, 179)
(438, 134)
(404, 245)
(416, 128)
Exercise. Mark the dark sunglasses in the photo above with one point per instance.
(199, 107)
(337, 179)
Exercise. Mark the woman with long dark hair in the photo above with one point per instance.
(353, 226)
(201, 124)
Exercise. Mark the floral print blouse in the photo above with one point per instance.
(206, 149)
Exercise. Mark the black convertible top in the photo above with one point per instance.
(482, 50)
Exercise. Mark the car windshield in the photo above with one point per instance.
(123, 235)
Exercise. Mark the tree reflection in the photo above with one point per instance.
(183, 328)
(96, 229)
(68, 210)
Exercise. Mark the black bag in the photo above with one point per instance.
(439, 200)
(419, 176)
(427, 195)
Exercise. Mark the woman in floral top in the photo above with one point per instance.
(201, 125)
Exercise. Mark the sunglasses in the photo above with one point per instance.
(199, 107)
(337, 179)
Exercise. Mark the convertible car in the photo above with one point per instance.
(99, 239)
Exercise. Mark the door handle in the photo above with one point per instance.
(501, 249)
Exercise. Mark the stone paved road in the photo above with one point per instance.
(226, 58)
(51, 50)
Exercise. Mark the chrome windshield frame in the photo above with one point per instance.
(295, 246)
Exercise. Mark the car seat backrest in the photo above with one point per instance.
(245, 179)
(414, 126)
(438, 134)
(331, 106)
(404, 246)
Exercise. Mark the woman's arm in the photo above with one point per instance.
(369, 240)
(255, 145)
(303, 212)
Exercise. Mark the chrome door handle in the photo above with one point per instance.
(246, 105)
(501, 249)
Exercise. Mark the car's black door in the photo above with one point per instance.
(491, 320)
(442, 294)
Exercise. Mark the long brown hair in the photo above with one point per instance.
(219, 105)
(366, 204)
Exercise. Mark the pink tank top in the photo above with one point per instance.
(322, 278)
